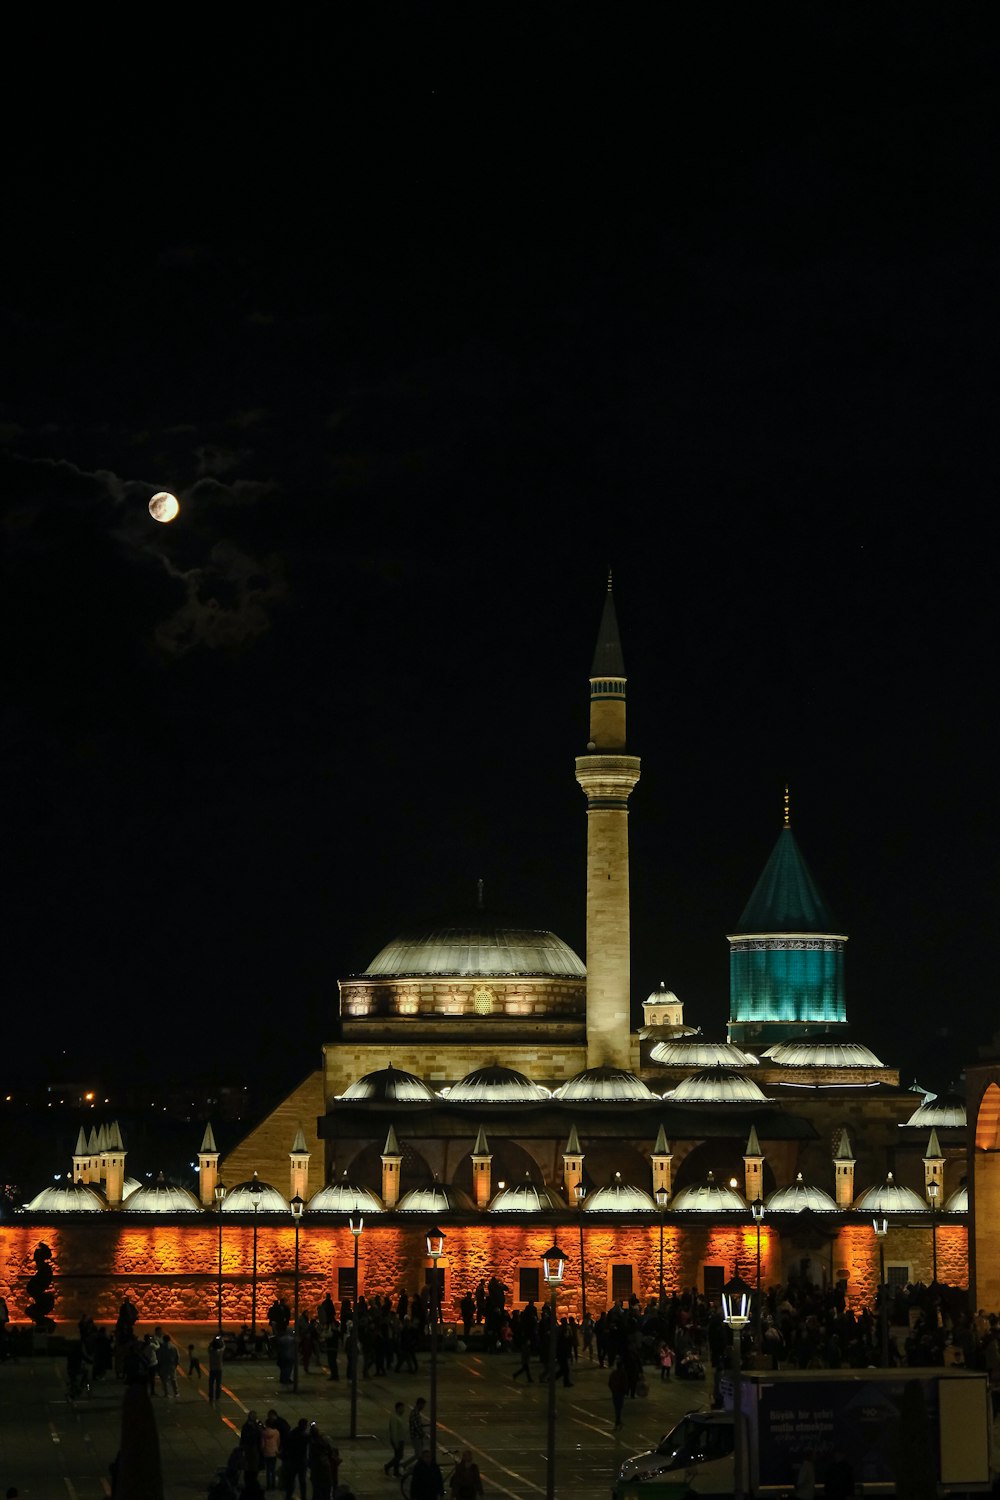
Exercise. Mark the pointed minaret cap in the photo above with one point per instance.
(102, 1137)
(934, 1152)
(753, 1144)
(608, 659)
(299, 1147)
(391, 1147)
(80, 1149)
(572, 1147)
(208, 1140)
(843, 1151)
(662, 1146)
(114, 1140)
(92, 1145)
(482, 1146)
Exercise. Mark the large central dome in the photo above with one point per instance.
(475, 949)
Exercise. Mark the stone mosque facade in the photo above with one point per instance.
(482, 1076)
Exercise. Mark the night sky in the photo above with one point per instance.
(430, 316)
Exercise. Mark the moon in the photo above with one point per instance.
(163, 506)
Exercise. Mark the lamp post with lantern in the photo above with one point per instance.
(757, 1209)
(662, 1199)
(933, 1190)
(220, 1197)
(553, 1268)
(736, 1300)
(881, 1228)
(581, 1193)
(356, 1226)
(255, 1191)
(435, 1250)
(296, 1205)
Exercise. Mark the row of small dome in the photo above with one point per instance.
(713, 1084)
(526, 1197)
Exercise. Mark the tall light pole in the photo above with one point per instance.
(435, 1249)
(255, 1191)
(581, 1193)
(662, 1199)
(297, 1205)
(736, 1298)
(933, 1189)
(356, 1225)
(554, 1268)
(757, 1209)
(220, 1194)
(881, 1228)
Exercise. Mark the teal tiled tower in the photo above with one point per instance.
(786, 958)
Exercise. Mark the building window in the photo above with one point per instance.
(345, 1283)
(715, 1280)
(528, 1279)
(621, 1283)
(896, 1277)
(483, 1001)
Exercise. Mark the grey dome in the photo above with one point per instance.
(708, 1197)
(240, 1200)
(66, 1198)
(389, 1086)
(889, 1197)
(129, 1186)
(958, 1201)
(800, 1195)
(822, 1055)
(496, 1085)
(614, 1084)
(475, 950)
(343, 1197)
(619, 1197)
(946, 1111)
(717, 1085)
(526, 1198)
(434, 1198)
(698, 1053)
(162, 1197)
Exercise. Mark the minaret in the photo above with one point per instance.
(298, 1159)
(94, 1164)
(208, 1168)
(392, 1159)
(662, 1159)
(101, 1149)
(843, 1172)
(753, 1164)
(934, 1172)
(482, 1158)
(114, 1166)
(607, 776)
(81, 1160)
(572, 1167)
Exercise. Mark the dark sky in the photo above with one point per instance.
(429, 315)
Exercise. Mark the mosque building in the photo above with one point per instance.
(482, 1076)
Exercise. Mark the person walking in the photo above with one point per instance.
(427, 1482)
(216, 1356)
(466, 1482)
(419, 1428)
(524, 1368)
(295, 1459)
(167, 1360)
(397, 1439)
(270, 1447)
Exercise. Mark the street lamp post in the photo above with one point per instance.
(933, 1189)
(736, 1299)
(220, 1194)
(757, 1209)
(581, 1193)
(255, 1191)
(662, 1199)
(881, 1228)
(356, 1228)
(297, 1205)
(435, 1249)
(554, 1268)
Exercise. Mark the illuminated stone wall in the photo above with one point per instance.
(171, 1270)
(448, 1062)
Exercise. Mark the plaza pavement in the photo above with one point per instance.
(54, 1448)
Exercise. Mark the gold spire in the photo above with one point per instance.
(788, 814)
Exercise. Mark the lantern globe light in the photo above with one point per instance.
(757, 1209)
(435, 1238)
(220, 1191)
(554, 1265)
(297, 1204)
(736, 1299)
(581, 1192)
(881, 1227)
(662, 1197)
(164, 507)
(933, 1188)
(356, 1228)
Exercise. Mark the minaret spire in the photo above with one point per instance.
(788, 814)
(607, 776)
